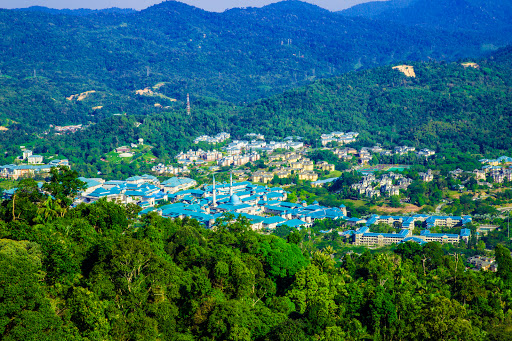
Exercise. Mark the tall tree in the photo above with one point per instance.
(64, 185)
(504, 261)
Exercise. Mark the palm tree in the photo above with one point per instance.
(49, 210)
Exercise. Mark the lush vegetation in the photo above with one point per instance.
(99, 271)
(174, 49)
(488, 19)
(463, 113)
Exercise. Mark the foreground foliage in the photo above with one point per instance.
(100, 273)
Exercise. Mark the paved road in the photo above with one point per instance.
(438, 208)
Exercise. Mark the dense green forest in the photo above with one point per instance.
(239, 55)
(447, 107)
(99, 272)
(490, 19)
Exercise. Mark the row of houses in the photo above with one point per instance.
(364, 236)
(16, 172)
(498, 174)
(162, 169)
(219, 138)
(192, 156)
(237, 147)
(31, 158)
(365, 155)
(483, 263)
(290, 163)
(238, 160)
(502, 160)
(266, 177)
(338, 137)
(388, 185)
(501, 175)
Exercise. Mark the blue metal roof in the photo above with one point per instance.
(465, 232)
(89, 182)
(362, 230)
(273, 220)
(438, 235)
(273, 195)
(175, 182)
(293, 223)
(414, 239)
(277, 208)
(253, 218)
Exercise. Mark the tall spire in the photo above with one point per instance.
(231, 184)
(214, 194)
(188, 104)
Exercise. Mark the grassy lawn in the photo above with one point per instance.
(356, 203)
(148, 157)
(113, 157)
(453, 194)
(334, 174)
(8, 184)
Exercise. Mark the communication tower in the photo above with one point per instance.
(188, 104)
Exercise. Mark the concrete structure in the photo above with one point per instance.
(363, 235)
(26, 154)
(176, 184)
(16, 172)
(338, 137)
(35, 159)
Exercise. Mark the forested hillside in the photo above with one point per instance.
(240, 55)
(446, 105)
(96, 272)
(492, 19)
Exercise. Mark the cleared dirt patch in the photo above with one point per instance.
(408, 208)
(407, 70)
(80, 97)
(473, 65)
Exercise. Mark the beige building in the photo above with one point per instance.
(308, 175)
(325, 166)
(261, 176)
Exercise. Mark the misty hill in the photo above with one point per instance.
(493, 19)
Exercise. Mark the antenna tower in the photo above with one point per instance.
(188, 104)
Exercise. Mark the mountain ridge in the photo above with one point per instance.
(238, 56)
(493, 20)
(446, 107)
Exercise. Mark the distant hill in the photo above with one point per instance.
(459, 106)
(172, 49)
(464, 105)
(78, 12)
(238, 55)
(492, 19)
